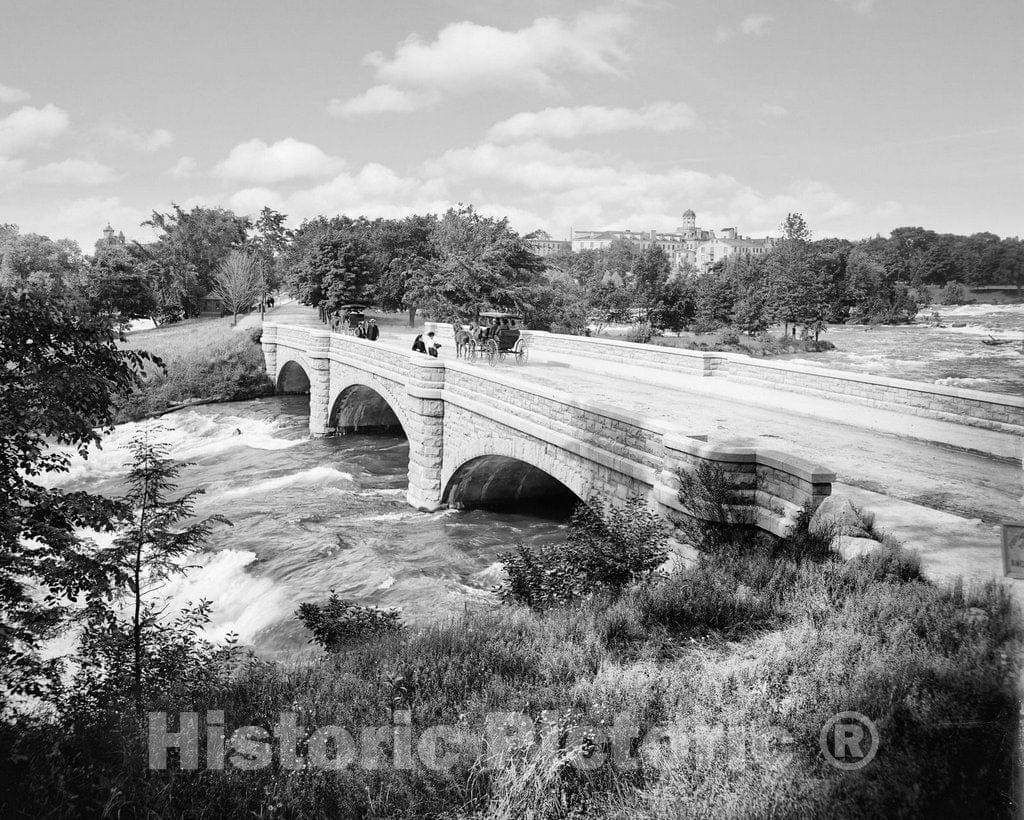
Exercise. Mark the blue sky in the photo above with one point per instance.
(862, 114)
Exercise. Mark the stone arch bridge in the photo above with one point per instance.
(483, 436)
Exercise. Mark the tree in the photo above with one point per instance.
(617, 259)
(311, 261)
(62, 374)
(649, 273)
(404, 251)
(794, 228)
(190, 249)
(714, 296)
(953, 294)
(478, 264)
(238, 282)
(148, 549)
(793, 290)
(269, 240)
(677, 304)
(115, 283)
(45, 267)
(340, 269)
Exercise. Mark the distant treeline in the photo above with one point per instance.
(450, 266)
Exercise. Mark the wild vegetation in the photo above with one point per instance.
(727, 670)
(205, 360)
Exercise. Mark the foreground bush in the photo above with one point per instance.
(607, 549)
(340, 623)
(931, 667)
(734, 663)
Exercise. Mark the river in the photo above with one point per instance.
(948, 355)
(311, 515)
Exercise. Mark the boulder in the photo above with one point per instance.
(851, 547)
(836, 516)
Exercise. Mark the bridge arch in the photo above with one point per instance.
(293, 377)
(360, 408)
(498, 481)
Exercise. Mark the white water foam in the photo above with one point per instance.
(314, 476)
(971, 310)
(189, 435)
(243, 603)
(962, 381)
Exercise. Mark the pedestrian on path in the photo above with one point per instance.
(372, 331)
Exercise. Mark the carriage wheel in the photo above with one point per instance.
(491, 352)
(521, 358)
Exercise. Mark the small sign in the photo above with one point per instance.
(1013, 550)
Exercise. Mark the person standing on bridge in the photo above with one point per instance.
(372, 331)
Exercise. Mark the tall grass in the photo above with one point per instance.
(734, 655)
(205, 359)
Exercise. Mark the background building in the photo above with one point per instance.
(687, 245)
(542, 244)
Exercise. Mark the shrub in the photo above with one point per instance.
(641, 333)
(707, 493)
(338, 623)
(608, 548)
(953, 294)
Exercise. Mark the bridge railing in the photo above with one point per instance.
(995, 411)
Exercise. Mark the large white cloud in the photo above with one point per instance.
(10, 96)
(567, 123)
(256, 161)
(538, 185)
(466, 57)
(30, 127)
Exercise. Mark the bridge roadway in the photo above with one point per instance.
(904, 465)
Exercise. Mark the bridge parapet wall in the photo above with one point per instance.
(994, 411)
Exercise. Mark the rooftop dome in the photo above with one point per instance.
(688, 212)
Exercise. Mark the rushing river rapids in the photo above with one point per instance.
(947, 355)
(311, 515)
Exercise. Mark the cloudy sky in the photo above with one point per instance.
(862, 114)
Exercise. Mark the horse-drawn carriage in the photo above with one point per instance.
(497, 337)
(346, 319)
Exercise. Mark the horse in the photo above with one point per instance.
(463, 341)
